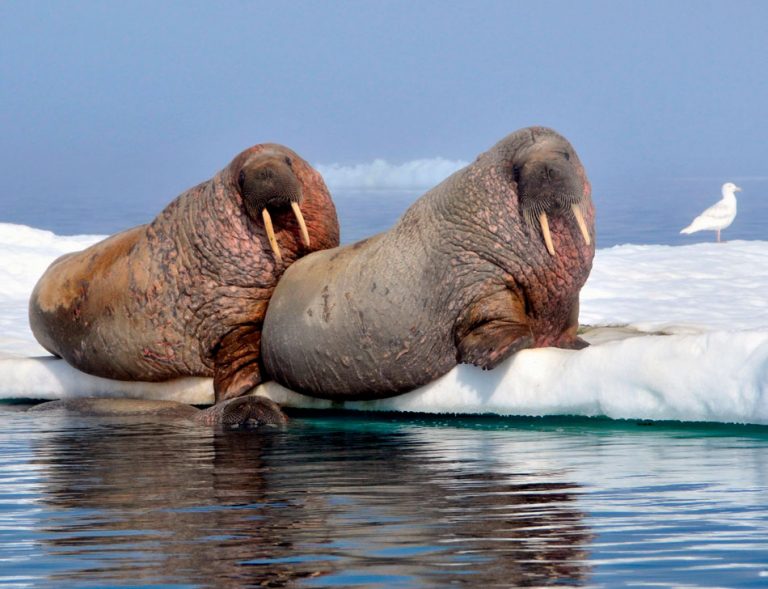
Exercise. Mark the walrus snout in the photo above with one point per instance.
(550, 184)
(268, 180)
(247, 412)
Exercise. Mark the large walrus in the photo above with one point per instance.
(487, 263)
(186, 294)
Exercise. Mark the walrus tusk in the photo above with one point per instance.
(271, 234)
(302, 224)
(580, 221)
(544, 222)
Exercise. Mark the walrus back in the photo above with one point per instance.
(61, 314)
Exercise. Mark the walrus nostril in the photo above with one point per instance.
(552, 173)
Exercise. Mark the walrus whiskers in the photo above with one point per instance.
(530, 213)
(303, 225)
(271, 235)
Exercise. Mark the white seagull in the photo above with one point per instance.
(719, 215)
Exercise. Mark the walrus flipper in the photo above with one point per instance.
(570, 340)
(491, 330)
(236, 364)
(490, 343)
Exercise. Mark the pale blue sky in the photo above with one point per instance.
(114, 100)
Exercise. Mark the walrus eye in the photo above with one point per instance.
(241, 180)
(516, 174)
(567, 156)
(288, 161)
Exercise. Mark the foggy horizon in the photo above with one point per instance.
(105, 102)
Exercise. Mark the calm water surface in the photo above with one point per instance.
(348, 500)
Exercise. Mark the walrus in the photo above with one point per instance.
(186, 294)
(489, 262)
(249, 411)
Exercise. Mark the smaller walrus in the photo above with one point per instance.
(487, 263)
(186, 294)
(248, 411)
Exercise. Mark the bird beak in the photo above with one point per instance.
(737, 189)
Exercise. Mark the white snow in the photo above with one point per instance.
(683, 289)
(697, 317)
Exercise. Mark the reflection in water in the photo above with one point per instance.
(317, 504)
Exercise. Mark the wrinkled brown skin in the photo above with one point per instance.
(461, 278)
(248, 411)
(185, 294)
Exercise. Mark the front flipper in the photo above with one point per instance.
(236, 364)
(492, 329)
(569, 340)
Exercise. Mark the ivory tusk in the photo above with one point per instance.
(580, 221)
(302, 224)
(544, 222)
(271, 235)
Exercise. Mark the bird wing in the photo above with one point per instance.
(718, 216)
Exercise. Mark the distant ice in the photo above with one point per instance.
(712, 366)
(25, 253)
(682, 289)
(382, 175)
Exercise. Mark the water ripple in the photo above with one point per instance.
(345, 501)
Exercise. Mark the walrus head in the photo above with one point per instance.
(267, 180)
(550, 184)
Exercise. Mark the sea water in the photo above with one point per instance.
(382, 501)
(392, 500)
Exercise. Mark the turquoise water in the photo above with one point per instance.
(354, 500)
